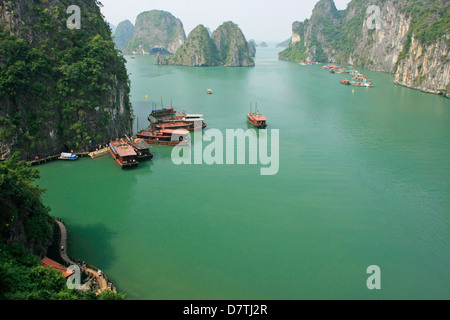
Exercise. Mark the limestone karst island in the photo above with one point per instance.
(253, 151)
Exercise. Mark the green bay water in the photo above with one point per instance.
(364, 179)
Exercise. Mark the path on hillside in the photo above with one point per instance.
(90, 271)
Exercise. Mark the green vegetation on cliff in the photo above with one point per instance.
(226, 47)
(430, 19)
(26, 229)
(156, 29)
(23, 217)
(341, 31)
(59, 88)
(123, 34)
(198, 50)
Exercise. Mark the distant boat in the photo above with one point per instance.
(68, 156)
(209, 91)
(257, 120)
(133, 57)
(346, 82)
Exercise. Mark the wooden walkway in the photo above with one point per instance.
(88, 270)
(54, 158)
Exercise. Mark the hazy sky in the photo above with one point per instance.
(262, 20)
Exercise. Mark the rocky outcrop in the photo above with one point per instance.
(123, 34)
(226, 47)
(156, 29)
(66, 88)
(405, 37)
(284, 44)
(232, 46)
(198, 51)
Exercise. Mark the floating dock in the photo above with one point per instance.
(99, 153)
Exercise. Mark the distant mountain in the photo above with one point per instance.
(232, 46)
(263, 45)
(226, 47)
(284, 44)
(408, 38)
(124, 33)
(156, 31)
(198, 51)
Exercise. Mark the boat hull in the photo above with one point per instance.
(120, 162)
(258, 126)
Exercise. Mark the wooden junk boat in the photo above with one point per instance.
(161, 115)
(141, 148)
(190, 122)
(123, 154)
(256, 119)
(165, 137)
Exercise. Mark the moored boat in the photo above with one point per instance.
(68, 156)
(141, 148)
(165, 137)
(123, 154)
(161, 114)
(345, 81)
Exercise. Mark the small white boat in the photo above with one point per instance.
(68, 156)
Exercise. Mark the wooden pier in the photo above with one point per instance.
(99, 153)
(39, 161)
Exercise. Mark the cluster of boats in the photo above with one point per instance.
(358, 79)
(167, 128)
(308, 63)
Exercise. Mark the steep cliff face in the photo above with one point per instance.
(405, 37)
(60, 88)
(156, 29)
(226, 47)
(232, 46)
(426, 68)
(123, 34)
(198, 51)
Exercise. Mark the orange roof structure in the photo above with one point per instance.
(46, 262)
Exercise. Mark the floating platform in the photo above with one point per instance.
(99, 153)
